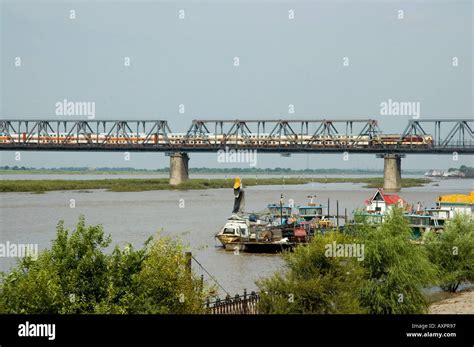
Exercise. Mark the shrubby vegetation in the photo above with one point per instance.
(389, 280)
(452, 252)
(396, 269)
(313, 282)
(77, 276)
(466, 170)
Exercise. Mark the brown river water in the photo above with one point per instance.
(134, 216)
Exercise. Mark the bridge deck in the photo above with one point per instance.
(465, 149)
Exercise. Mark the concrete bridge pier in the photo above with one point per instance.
(392, 171)
(179, 171)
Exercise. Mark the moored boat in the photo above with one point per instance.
(421, 220)
(235, 229)
(281, 226)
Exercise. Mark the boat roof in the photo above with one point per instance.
(381, 215)
(369, 214)
(236, 219)
(416, 215)
(457, 198)
(311, 206)
(455, 203)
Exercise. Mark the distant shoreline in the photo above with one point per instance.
(145, 184)
(231, 171)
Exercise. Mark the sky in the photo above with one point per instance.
(149, 59)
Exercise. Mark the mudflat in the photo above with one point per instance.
(459, 303)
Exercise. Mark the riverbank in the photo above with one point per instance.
(136, 185)
(457, 303)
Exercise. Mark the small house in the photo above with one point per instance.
(381, 203)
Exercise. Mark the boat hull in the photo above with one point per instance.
(259, 247)
(226, 239)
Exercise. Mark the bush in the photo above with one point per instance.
(389, 280)
(314, 282)
(164, 285)
(396, 268)
(76, 276)
(452, 252)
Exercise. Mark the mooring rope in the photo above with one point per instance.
(213, 278)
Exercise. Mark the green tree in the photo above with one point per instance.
(396, 268)
(164, 284)
(313, 281)
(77, 276)
(124, 265)
(452, 252)
(69, 278)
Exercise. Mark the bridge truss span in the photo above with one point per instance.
(427, 136)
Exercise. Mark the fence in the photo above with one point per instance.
(239, 304)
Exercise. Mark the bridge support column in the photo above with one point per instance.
(179, 172)
(392, 172)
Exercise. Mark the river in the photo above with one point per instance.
(134, 216)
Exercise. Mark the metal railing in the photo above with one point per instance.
(239, 304)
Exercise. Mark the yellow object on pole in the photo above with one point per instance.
(237, 183)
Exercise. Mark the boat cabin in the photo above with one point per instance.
(279, 210)
(276, 209)
(237, 228)
(369, 218)
(310, 212)
(457, 203)
(279, 213)
(448, 206)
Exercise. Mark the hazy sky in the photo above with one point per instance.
(190, 61)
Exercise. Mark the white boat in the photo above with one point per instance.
(434, 173)
(235, 229)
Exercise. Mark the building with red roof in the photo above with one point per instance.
(382, 203)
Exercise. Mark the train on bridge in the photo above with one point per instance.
(205, 140)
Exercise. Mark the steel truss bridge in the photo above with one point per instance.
(277, 136)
